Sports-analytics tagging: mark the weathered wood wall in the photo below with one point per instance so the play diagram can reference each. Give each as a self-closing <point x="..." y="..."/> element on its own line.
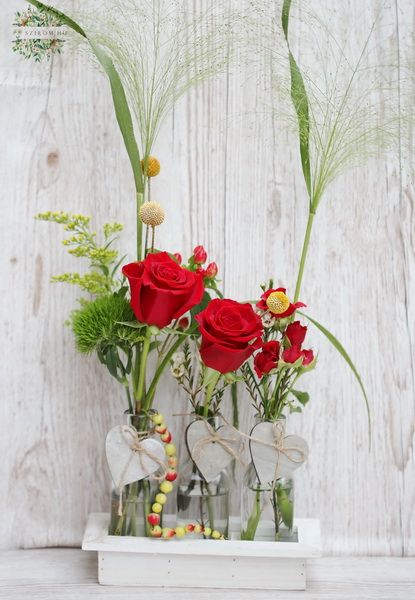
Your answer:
<point x="237" y="189"/>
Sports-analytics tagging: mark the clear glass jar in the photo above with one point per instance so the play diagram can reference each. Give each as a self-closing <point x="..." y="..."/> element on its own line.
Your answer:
<point x="266" y="513"/>
<point x="128" y="514"/>
<point x="201" y="502"/>
<point x="267" y="509"/>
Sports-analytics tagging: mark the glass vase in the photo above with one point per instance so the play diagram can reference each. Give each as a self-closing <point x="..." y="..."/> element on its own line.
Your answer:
<point x="201" y="502"/>
<point x="267" y="509"/>
<point x="130" y="508"/>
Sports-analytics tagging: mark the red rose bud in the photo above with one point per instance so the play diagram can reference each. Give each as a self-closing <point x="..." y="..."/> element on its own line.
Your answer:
<point x="153" y="519"/>
<point x="171" y="475"/>
<point x="166" y="437"/>
<point x="183" y="323"/>
<point x="308" y="357"/>
<point x="178" y="257"/>
<point x="295" y="332"/>
<point x="199" y="255"/>
<point x="211" y="270"/>
<point x="292" y="354"/>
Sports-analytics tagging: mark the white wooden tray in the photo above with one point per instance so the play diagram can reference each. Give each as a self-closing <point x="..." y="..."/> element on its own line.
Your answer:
<point x="194" y="563"/>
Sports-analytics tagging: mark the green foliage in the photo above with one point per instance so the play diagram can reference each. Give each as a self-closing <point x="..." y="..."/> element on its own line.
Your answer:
<point x="103" y="260"/>
<point x="99" y="323"/>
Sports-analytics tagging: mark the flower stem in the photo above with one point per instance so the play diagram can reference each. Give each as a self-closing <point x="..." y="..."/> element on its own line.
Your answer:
<point x="209" y="392"/>
<point x="304" y="254"/>
<point x="142" y="373"/>
<point x="140" y="200"/>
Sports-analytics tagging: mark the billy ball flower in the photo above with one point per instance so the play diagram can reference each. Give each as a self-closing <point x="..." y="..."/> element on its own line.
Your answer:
<point x="278" y="304"/>
<point x="153" y="166"/>
<point x="152" y="214"/>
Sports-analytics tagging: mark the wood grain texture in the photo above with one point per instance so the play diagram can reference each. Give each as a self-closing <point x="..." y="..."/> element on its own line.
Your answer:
<point x="231" y="181"/>
<point x="68" y="573"/>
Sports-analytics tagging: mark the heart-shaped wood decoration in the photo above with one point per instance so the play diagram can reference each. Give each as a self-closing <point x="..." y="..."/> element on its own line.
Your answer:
<point x="212" y="450"/>
<point x="127" y="465"/>
<point x="275" y="454"/>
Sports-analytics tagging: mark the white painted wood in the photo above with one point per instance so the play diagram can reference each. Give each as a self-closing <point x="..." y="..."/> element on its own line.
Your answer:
<point x="232" y="181"/>
<point x="70" y="574"/>
<point x="196" y="563"/>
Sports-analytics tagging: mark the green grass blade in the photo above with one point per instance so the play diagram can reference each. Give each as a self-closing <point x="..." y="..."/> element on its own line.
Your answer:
<point x="122" y="110"/>
<point x="300" y="101"/>
<point x="342" y="351"/>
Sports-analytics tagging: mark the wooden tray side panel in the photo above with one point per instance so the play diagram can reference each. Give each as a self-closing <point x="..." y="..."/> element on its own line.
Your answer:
<point x="156" y="570"/>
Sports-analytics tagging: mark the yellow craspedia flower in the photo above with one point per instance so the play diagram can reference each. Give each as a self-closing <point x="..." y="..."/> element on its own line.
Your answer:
<point x="151" y="213"/>
<point x="153" y="166"/>
<point x="278" y="302"/>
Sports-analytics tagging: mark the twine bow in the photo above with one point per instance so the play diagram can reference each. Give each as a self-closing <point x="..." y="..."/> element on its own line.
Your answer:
<point x="213" y="436"/>
<point x="134" y="439"/>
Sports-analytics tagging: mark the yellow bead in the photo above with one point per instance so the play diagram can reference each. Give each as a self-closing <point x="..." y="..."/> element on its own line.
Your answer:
<point x="161" y="498"/>
<point x="157" y="419"/>
<point x="153" y="166"/>
<point x="215" y="534"/>
<point x="170" y="449"/>
<point x="180" y="532"/>
<point x="207" y="531"/>
<point x="166" y="487"/>
<point x="197" y="529"/>
<point x="157" y="507"/>
<point x="167" y="532"/>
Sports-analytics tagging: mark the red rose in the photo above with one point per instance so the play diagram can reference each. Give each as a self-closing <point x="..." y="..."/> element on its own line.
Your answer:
<point x="278" y="304"/>
<point x="162" y="290"/>
<point x="292" y="354"/>
<point x="199" y="255"/>
<point x="231" y="332"/>
<point x="296" y="332"/>
<point x="267" y="359"/>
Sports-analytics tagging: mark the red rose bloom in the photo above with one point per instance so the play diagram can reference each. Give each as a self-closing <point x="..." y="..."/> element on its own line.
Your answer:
<point x="296" y="332"/>
<point x="231" y="332"/>
<point x="162" y="290"/>
<point x="267" y="359"/>
<point x="277" y="303"/>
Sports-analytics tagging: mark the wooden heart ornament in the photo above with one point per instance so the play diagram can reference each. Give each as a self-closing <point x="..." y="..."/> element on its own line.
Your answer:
<point x="275" y="454"/>
<point x="212" y="450"/>
<point x="131" y="458"/>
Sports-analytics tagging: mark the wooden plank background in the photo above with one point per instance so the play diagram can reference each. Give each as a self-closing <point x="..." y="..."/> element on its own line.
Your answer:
<point x="231" y="182"/>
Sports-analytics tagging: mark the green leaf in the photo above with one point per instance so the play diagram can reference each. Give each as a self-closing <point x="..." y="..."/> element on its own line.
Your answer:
<point x="122" y="111"/>
<point x="302" y="397"/>
<point x="342" y="351"/>
<point x="201" y="306"/>
<point x="300" y="101"/>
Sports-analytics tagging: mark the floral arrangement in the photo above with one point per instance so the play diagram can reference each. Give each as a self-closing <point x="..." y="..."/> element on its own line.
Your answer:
<point x="159" y="305"/>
